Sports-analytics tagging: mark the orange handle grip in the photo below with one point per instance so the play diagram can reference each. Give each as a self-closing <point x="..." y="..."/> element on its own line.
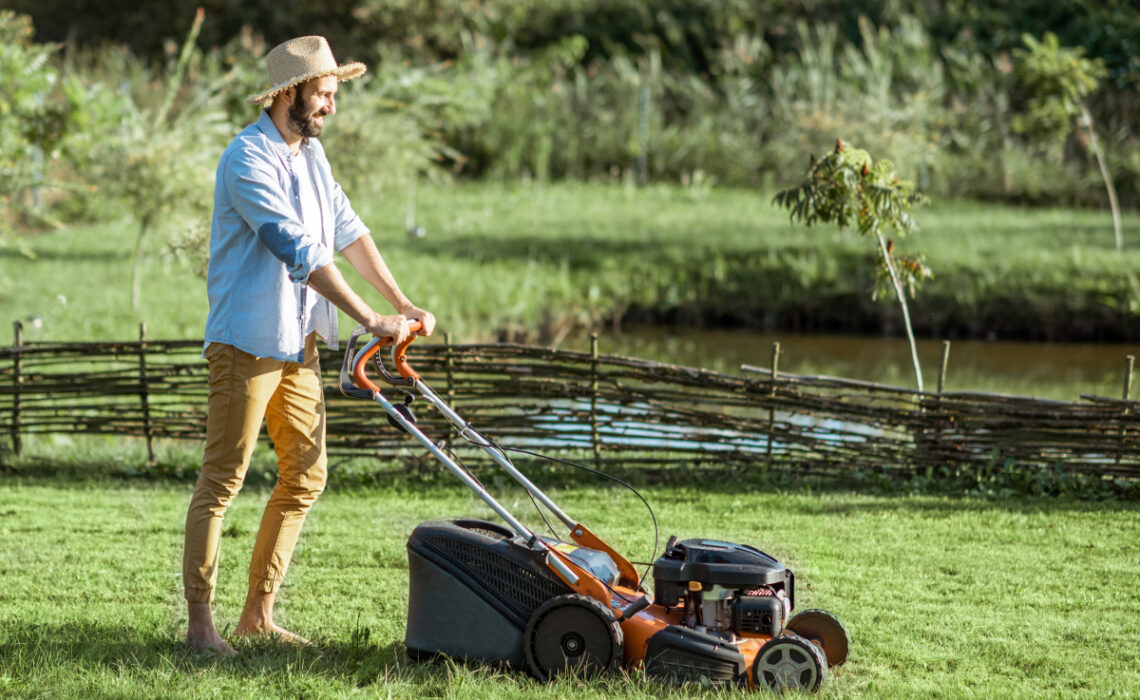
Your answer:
<point x="358" y="376"/>
<point x="401" y="360"/>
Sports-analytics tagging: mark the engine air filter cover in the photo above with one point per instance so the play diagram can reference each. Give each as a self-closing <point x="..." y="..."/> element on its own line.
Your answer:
<point x="715" y="563"/>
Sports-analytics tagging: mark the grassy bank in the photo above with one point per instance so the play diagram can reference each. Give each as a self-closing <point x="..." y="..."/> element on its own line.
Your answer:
<point x="943" y="597"/>
<point x="533" y="261"/>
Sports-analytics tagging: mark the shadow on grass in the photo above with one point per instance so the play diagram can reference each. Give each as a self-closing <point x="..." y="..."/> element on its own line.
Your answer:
<point x="681" y="482"/>
<point x="133" y="659"/>
<point x="115" y="647"/>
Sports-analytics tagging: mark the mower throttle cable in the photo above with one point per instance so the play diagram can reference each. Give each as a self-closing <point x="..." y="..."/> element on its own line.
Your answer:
<point x="451" y="453"/>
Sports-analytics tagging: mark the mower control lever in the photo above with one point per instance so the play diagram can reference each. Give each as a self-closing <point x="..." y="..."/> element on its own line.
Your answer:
<point x="635" y="607"/>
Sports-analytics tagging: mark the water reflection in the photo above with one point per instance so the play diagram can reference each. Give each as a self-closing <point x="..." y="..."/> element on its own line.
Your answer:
<point x="1061" y="371"/>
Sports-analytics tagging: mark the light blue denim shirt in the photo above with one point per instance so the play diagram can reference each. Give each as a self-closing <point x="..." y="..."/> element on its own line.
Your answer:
<point x="261" y="254"/>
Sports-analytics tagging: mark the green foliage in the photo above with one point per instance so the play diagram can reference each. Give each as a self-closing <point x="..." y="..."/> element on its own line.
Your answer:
<point x="36" y="118"/>
<point x="157" y="164"/>
<point x="672" y="91"/>
<point x="885" y="91"/>
<point x="846" y="187"/>
<point x="25" y="123"/>
<point x="1058" y="81"/>
<point x="387" y="131"/>
<point x="681" y="90"/>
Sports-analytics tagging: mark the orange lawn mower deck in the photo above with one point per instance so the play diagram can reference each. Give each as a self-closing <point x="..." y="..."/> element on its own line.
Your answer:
<point x="720" y="613"/>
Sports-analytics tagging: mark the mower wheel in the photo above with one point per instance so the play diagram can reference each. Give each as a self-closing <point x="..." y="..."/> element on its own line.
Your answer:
<point x="572" y="634"/>
<point x="789" y="662"/>
<point x="824" y="629"/>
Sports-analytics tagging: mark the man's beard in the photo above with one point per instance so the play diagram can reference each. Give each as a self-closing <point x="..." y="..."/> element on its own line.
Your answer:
<point x="301" y="120"/>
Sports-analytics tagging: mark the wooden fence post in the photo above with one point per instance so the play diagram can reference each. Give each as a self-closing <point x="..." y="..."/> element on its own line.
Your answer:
<point x="594" y="399"/>
<point x="144" y="396"/>
<point x="1129" y="361"/>
<point x="942" y="367"/>
<point x="941" y="386"/>
<point x="772" y="395"/>
<point x="18" y="330"/>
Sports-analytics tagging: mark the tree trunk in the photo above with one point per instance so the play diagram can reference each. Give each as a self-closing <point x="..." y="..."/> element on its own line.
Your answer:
<point x="902" y="302"/>
<point x="136" y="265"/>
<point x="1086" y="121"/>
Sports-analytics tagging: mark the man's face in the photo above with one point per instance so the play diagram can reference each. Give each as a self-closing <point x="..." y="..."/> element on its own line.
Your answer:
<point x="312" y="102"/>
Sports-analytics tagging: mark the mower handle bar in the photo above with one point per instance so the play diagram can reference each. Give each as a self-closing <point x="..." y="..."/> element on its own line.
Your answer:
<point x="356" y="374"/>
<point x="354" y="382"/>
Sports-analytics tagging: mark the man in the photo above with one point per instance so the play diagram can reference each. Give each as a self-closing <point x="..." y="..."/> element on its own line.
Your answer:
<point x="278" y="216"/>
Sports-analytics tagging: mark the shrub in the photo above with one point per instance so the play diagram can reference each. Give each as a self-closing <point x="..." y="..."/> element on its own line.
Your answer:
<point x="37" y="115"/>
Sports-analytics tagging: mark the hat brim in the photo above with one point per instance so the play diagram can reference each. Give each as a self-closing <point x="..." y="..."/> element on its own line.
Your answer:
<point x="348" y="71"/>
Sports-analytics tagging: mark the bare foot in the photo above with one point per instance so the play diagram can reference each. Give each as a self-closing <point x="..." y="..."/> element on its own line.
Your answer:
<point x="201" y="633"/>
<point x="213" y="643"/>
<point x="257" y="619"/>
<point x="270" y="629"/>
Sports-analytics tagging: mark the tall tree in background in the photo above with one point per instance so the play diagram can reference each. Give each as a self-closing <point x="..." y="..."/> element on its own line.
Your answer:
<point x="1058" y="81"/>
<point x="846" y="186"/>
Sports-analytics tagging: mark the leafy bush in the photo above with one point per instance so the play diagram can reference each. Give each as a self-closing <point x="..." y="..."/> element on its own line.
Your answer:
<point x="387" y="132"/>
<point x="38" y="112"/>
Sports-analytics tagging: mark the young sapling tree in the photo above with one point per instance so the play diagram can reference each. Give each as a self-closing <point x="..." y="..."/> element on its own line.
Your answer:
<point x="845" y="187"/>
<point x="158" y="163"/>
<point x="1058" y="80"/>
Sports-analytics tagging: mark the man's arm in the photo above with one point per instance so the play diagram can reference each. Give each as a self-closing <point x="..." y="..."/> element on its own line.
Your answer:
<point x="331" y="285"/>
<point x="365" y="258"/>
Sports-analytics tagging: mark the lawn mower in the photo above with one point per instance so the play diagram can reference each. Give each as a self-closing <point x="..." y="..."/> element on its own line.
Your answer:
<point x="720" y="613"/>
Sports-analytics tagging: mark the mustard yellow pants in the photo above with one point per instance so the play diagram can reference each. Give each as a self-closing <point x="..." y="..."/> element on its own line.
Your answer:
<point x="244" y="391"/>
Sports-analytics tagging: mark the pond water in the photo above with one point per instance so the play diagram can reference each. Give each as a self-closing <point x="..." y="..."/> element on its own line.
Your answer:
<point x="1061" y="371"/>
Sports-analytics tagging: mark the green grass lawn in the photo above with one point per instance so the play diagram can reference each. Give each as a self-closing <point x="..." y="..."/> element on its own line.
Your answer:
<point x="952" y="597"/>
<point x="525" y="260"/>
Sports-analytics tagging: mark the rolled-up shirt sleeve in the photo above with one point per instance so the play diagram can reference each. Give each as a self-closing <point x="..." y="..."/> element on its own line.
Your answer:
<point x="257" y="195"/>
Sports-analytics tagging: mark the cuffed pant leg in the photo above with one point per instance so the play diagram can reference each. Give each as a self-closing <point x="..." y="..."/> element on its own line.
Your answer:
<point x="241" y="386"/>
<point x="296" y="422"/>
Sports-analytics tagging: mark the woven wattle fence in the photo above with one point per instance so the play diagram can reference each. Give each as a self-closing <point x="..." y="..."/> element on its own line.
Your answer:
<point x="618" y="410"/>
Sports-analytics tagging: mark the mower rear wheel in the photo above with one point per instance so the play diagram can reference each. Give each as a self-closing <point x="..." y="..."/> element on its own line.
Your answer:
<point x="824" y="629"/>
<point x="789" y="662"/>
<point x="572" y="634"/>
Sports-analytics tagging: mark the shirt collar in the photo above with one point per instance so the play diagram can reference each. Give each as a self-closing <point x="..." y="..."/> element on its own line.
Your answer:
<point x="267" y="127"/>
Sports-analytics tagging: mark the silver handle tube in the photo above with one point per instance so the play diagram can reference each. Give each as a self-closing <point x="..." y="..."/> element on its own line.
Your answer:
<point x="555" y="562"/>
<point x="552" y="559"/>
<point x="467" y="431"/>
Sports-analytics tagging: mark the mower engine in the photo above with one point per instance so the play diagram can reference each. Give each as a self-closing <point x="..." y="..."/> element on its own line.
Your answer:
<point x="723" y="588"/>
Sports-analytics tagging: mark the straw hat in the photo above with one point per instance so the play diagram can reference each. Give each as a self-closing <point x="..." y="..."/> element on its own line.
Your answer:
<point x="301" y="59"/>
